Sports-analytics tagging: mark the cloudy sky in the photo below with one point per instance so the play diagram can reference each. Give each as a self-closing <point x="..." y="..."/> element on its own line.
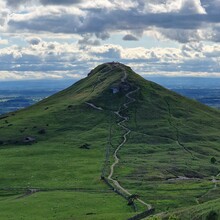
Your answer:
<point x="66" y="38"/>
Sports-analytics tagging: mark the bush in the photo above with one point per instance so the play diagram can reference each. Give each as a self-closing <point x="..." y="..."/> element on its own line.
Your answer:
<point x="85" y="146"/>
<point x="154" y="218"/>
<point x="212" y="216"/>
<point x="131" y="199"/>
<point x="213" y="160"/>
<point x="173" y="217"/>
<point x="42" y="131"/>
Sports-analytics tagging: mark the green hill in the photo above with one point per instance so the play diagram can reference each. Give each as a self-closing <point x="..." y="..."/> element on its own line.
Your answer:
<point x="58" y="158"/>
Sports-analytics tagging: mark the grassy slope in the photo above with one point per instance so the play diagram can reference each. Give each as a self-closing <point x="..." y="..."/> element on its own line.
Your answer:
<point x="171" y="136"/>
<point x="56" y="161"/>
<point x="206" y="211"/>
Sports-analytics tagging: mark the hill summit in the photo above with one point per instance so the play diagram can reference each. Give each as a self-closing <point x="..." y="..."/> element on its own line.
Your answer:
<point x="111" y="146"/>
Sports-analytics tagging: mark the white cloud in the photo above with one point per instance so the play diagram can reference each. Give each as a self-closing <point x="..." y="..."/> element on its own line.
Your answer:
<point x="51" y="35"/>
<point x="3" y="41"/>
<point x="24" y="75"/>
<point x="171" y="6"/>
<point x="192" y="7"/>
<point x="48" y="56"/>
<point x="181" y="74"/>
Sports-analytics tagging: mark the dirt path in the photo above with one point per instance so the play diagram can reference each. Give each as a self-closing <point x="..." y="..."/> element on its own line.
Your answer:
<point x="94" y="106"/>
<point x="215" y="181"/>
<point x="127" y="132"/>
<point x="29" y="192"/>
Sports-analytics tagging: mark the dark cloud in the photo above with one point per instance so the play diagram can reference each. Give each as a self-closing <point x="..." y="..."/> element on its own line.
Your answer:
<point x="179" y="26"/>
<point x="3" y="17"/>
<point x="86" y="40"/>
<point x="60" y="2"/>
<point x="130" y="21"/>
<point x="51" y="46"/>
<point x="34" y="41"/>
<point x="211" y="6"/>
<point x="54" y="23"/>
<point x="103" y="35"/>
<point x="112" y="53"/>
<point x="115" y="20"/>
<point x="130" y="37"/>
<point x="17" y="3"/>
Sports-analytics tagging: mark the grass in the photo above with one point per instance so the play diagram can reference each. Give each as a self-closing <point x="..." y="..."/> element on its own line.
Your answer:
<point x="171" y="136"/>
<point x="65" y="205"/>
<point x="164" y="125"/>
<point x="203" y="211"/>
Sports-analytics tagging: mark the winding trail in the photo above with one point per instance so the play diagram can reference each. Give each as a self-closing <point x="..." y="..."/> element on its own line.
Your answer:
<point x="122" y="125"/>
<point x="29" y="192"/>
<point x="127" y="132"/>
<point x="94" y="106"/>
<point x="215" y="181"/>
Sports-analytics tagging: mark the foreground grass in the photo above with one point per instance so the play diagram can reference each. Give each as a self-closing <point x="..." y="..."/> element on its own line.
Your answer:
<point x="64" y="205"/>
